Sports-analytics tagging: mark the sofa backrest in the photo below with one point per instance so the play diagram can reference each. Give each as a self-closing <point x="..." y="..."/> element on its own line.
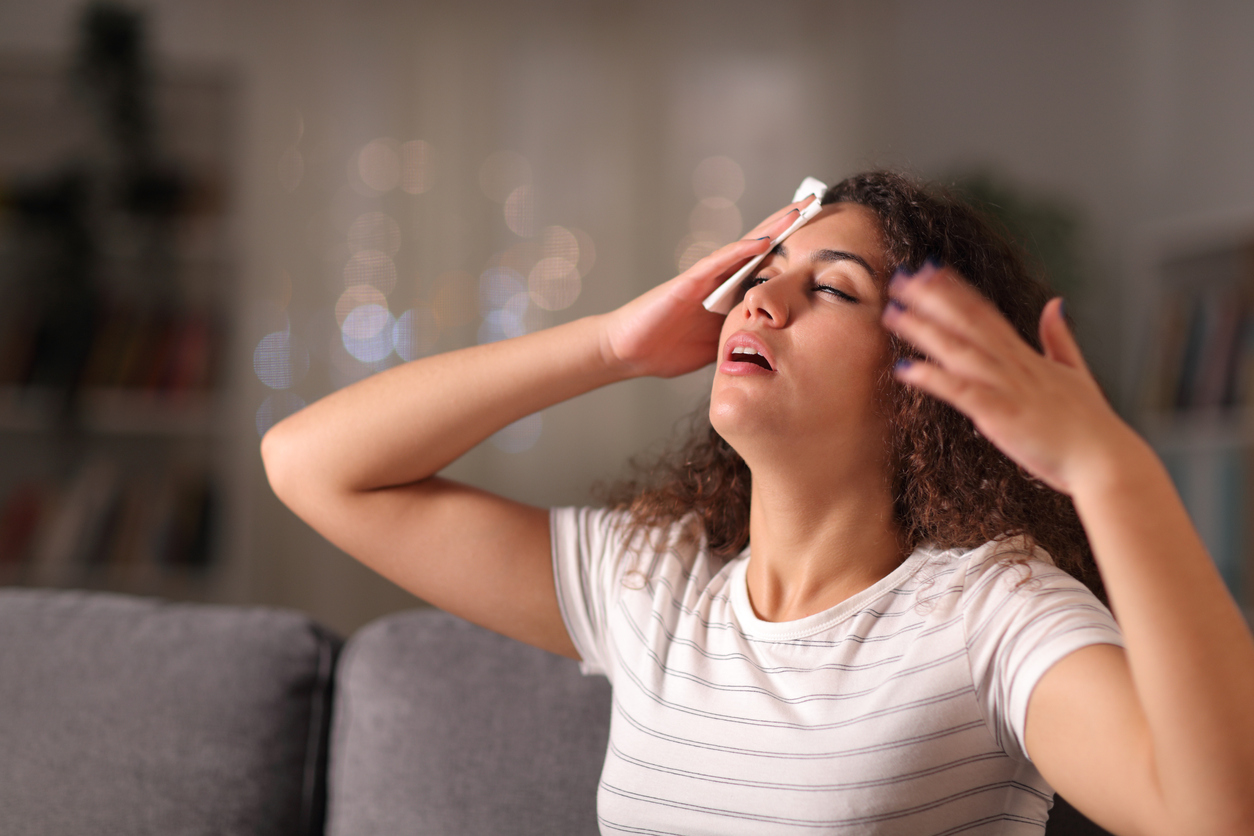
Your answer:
<point x="441" y="727"/>
<point x="132" y="716"/>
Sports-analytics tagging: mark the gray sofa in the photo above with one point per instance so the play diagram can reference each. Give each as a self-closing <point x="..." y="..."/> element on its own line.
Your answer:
<point x="123" y="715"/>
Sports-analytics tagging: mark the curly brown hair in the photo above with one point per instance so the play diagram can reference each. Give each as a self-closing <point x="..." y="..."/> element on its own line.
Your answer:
<point x="952" y="487"/>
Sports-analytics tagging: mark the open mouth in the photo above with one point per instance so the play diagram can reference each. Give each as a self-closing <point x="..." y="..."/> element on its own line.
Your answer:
<point x="744" y="354"/>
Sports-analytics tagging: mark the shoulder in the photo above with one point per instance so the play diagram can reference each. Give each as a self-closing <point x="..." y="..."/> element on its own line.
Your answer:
<point x="611" y="534"/>
<point x="1007" y="577"/>
<point x="1012" y="587"/>
<point x="1010" y="566"/>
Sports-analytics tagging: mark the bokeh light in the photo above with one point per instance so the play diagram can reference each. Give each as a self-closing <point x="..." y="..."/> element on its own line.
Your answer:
<point x="505" y="323"/>
<point x="275" y="408"/>
<point x="417" y="173"/>
<point x="554" y="284"/>
<point x="374" y="231"/>
<point x="587" y="251"/>
<point x="718" y="177"/>
<point x="498" y="285"/>
<point x="519" y="436"/>
<point x="367" y="333"/>
<point x="277" y="363"/>
<point x="716" y="219"/>
<point x="502" y="174"/>
<point x="291" y="168"/>
<point x="520" y="257"/>
<point x="355" y="297"/>
<point x="560" y="242"/>
<point x="520" y="212"/>
<point x="372" y="267"/>
<point x="415" y="333"/>
<point x="503" y="302"/>
<point x="379" y="164"/>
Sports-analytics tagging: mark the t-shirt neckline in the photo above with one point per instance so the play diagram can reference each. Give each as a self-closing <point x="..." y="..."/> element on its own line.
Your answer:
<point x="754" y="627"/>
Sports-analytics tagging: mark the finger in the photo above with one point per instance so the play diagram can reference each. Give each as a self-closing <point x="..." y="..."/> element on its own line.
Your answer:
<point x="950" y="349"/>
<point x="972" y="398"/>
<point x="1056" y="337"/>
<point x="726" y="260"/>
<point x="776" y="223"/>
<point x="708" y="273"/>
<point x="940" y="294"/>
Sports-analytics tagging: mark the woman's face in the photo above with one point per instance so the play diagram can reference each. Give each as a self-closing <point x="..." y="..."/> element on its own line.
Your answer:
<point x="814" y="387"/>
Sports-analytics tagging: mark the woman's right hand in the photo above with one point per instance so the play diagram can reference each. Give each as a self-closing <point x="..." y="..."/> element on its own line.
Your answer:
<point x="667" y="332"/>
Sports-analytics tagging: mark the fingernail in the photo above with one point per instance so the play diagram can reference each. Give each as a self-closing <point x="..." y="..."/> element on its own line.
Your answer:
<point x="902" y="365"/>
<point x="1062" y="309"/>
<point x="894" y="306"/>
<point x="899" y="279"/>
<point x="763" y="238"/>
<point x="931" y="266"/>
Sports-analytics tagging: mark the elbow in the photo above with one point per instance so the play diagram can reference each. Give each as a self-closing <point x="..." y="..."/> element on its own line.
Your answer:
<point x="278" y="461"/>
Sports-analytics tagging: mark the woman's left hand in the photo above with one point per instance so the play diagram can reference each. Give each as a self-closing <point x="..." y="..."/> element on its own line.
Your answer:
<point x="1046" y="412"/>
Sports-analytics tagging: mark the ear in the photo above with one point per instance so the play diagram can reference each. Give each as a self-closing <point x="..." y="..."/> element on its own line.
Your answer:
<point x="1056" y="338"/>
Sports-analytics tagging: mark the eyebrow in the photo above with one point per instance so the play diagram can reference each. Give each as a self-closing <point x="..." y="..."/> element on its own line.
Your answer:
<point x="821" y="256"/>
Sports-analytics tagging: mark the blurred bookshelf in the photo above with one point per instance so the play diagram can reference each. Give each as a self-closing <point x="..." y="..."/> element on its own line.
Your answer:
<point x="1197" y="395"/>
<point x="118" y="461"/>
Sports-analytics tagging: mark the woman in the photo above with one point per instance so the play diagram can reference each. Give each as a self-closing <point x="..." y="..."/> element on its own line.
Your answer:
<point x="869" y="663"/>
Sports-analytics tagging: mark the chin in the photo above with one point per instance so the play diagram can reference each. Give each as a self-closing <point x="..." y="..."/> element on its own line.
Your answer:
<point x="739" y="419"/>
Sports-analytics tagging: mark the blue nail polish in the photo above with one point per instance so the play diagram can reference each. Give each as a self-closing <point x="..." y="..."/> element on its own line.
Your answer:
<point x="1062" y="309"/>
<point x="902" y="365"/>
<point x="763" y="238"/>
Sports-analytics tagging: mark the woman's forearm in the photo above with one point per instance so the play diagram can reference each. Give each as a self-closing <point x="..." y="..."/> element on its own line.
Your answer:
<point x="1189" y="649"/>
<point x="405" y="424"/>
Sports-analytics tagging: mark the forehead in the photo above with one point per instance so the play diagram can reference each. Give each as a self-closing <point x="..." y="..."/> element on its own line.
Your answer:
<point x="840" y="226"/>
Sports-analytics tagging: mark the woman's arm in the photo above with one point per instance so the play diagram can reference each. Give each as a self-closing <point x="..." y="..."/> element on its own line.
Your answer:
<point x="359" y="464"/>
<point x="1158" y="738"/>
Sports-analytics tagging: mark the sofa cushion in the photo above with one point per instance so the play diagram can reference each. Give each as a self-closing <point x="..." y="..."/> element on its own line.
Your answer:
<point x="132" y="716"/>
<point x="442" y="727"/>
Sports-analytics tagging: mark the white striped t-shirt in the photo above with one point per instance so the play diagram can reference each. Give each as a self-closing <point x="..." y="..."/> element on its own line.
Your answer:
<point x="900" y="710"/>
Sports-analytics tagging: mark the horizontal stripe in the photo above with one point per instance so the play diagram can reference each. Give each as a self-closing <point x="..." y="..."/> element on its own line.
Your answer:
<point x="893" y="712"/>
<point x="884" y="746"/>
<point x="817" y="823"/>
<point x="776" y="785"/>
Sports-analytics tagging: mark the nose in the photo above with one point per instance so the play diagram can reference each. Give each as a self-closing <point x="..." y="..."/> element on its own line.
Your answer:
<point x="768" y="301"/>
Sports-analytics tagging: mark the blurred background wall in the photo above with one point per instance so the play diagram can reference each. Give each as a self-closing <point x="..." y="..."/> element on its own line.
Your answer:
<point x="357" y="184"/>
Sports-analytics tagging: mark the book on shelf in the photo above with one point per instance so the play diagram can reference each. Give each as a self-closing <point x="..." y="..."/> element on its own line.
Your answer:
<point x="56" y="535"/>
<point x="165" y="353"/>
<point x="1203" y="346"/>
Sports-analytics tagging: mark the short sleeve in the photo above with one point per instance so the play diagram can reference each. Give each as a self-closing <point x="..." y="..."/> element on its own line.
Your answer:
<point x="587" y="544"/>
<point x="1020" y="619"/>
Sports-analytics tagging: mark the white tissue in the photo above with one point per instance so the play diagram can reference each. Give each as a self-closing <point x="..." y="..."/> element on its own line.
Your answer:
<point x="724" y="299"/>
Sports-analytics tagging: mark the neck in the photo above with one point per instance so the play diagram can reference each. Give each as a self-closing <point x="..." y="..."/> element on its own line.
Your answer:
<point x="815" y="543"/>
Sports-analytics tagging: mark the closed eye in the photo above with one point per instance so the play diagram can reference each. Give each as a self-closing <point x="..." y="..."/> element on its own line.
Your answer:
<point x="754" y="281"/>
<point x="839" y="294"/>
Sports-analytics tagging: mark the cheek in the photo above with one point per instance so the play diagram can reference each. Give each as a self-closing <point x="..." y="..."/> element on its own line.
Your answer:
<point x="860" y="357"/>
<point x="726" y="331"/>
